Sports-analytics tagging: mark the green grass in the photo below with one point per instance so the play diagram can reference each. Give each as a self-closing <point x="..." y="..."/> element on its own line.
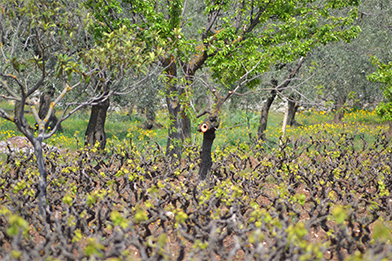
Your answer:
<point x="236" y="127"/>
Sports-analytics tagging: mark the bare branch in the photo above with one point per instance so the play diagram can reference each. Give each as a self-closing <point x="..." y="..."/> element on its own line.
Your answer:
<point x="5" y="115"/>
<point x="41" y="124"/>
<point x="65" y="115"/>
<point x="40" y="82"/>
<point x="183" y="8"/>
<point x="201" y="114"/>
<point x="134" y="86"/>
<point x="13" y="38"/>
<point x="9" y="91"/>
<point x="243" y="94"/>
<point x="290" y="77"/>
<point x="27" y="41"/>
<point x="15" y="78"/>
<point x="2" y="52"/>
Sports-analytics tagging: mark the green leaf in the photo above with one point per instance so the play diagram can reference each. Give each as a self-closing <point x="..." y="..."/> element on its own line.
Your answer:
<point x="381" y="231"/>
<point x="93" y="248"/>
<point x="118" y="219"/>
<point x="339" y="214"/>
<point x="140" y="215"/>
<point x="67" y="199"/>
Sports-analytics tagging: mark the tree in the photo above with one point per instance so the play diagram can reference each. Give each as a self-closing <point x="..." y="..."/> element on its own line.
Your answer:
<point x="230" y="38"/>
<point x="383" y="74"/>
<point x="42" y="49"/>
<point x="339" y="69"/>
<point x="38" y="36"/>
<point x="45" y="100"/>
<point x="110" y="31"/>
<point x="274" y="92"/>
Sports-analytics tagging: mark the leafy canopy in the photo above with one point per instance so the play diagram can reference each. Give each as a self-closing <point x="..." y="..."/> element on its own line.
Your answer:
<point x="233" y="38"/>
<point x="383" y="74"/>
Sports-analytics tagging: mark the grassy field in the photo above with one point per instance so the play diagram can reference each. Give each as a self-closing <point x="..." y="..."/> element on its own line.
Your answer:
<point x="238" y="128"/>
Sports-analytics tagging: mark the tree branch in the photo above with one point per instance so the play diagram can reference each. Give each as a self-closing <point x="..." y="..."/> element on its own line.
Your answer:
<point x="255" y="22"/>
<point x="214" y="16"/>
<point x="9" y="91"/>
<point x="290" y="77"/>
<point x="5" y="115"/>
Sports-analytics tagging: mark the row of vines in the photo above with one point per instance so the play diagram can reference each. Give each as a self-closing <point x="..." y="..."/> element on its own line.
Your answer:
<point x="321" y="199"/>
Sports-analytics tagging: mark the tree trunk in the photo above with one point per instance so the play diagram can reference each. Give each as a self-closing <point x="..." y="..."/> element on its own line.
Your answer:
<point x="286" y="116"/>
<point x="42" y="183"/>
<point x="150" y="113"/>
<point x="208" y="127"/>
<point x="389" y="133"/>
<point x="264" y="115"/>
<point x="268" y="103"/>
<point x="18" y="108"/>
<point x="175" y="132"/>
<point x="96" y="125"/>
<point x="175" y="139"/>
<point x="186" y="128"/>
<point x="44" y="105"/>
<point x="293" y="107"/>
<point x="205" y="155"/>
<point x="180" y="123"/>
<point x="265" y="110"/>
<point x="339" y="113"/>
<point x="150" y="122"/>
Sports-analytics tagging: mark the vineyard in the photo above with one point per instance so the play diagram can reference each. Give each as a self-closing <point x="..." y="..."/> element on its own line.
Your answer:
<point x="317" y="198"/>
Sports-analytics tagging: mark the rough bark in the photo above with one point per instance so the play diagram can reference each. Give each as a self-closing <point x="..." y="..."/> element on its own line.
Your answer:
<point x="175" y="139"/>
<point x="44" y="106"/>
<point x="276" y="88"/>
<point x="389" y="133"/>
<point x="17" y="112"/>
<point x="173" y="93"/>
<point x="205" y="155"/>
<point x="150" y="122"/>
<point x="22" y="125"/>
<point x="42" y="183"/>
<point x="339" y="113"/>
<point x="293" y="107"/>
<point x="186" y="128"/>
<point x="264" y="112"/>
<point x="180" y="123"/>
<point x="150" y="113"/>
<point x="208" y="128"/>
<point x="96" y="125"/>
